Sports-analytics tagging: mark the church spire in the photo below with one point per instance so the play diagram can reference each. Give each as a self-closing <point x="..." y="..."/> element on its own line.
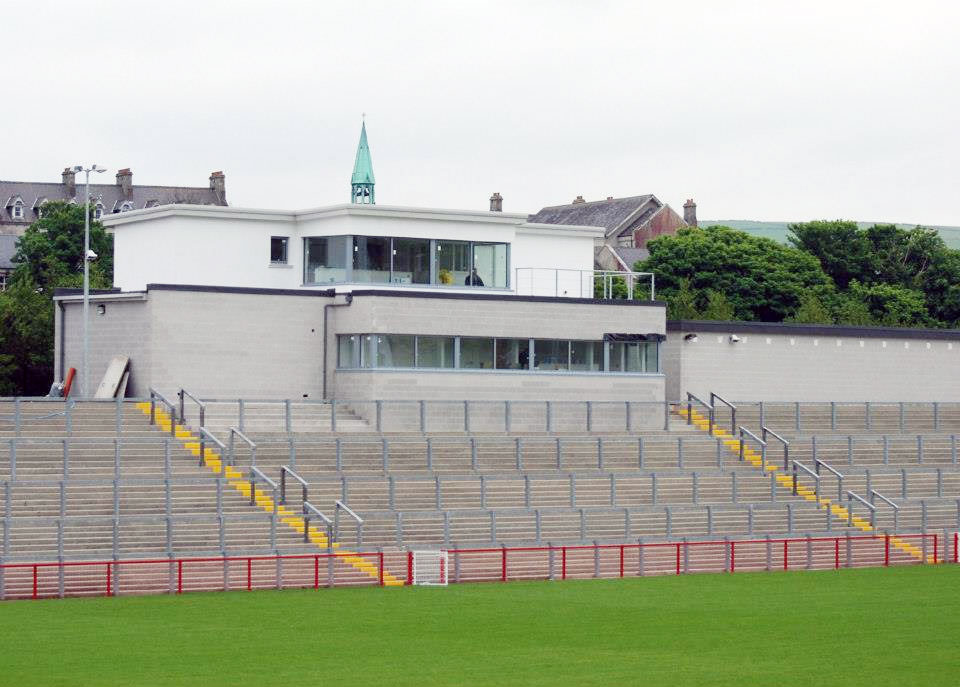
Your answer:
<point x="362" y="181"/>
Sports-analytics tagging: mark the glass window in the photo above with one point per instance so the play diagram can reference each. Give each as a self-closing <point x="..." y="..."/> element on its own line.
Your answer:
<point x="489" y="265"/>
<point x="513" y="354"/>
<point x="395" y="350"/>
<point x="348" y="350"/>
<point x="435" y="351"/>
<point x="476" y="354"/>
<point x="411" y="261"/>
<point x="634" y="357"/>
<point x="586" y="355"/>
<point x="371" y="259"/>
<point x="325" y="261"/>
<point x="550" y="355"/>
<point x="368" y="351"/>
<point x="453" y="263"/>
<point x="652" y="358"/>
<point x="278" y="249"/>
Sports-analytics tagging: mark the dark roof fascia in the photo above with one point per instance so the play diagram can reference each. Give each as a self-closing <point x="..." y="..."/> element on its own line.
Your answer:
<point x="506" y="298"/>
<point x="71" y="291"/>
<point x="812" y="330"/>
<point x="323" y="293"/>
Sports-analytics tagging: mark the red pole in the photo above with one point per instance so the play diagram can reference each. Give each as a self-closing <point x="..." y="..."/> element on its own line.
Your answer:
<point x="180" y="577"/>
<point x="621" y="560"/>
<point x="785" y="554"/>
<point x="935" y="539"/>
<point x="380" y="561"/>
<point x="563" y="563"/>
<point x="108" y="580"/>
<point x="34" y="582"/>
<point x="732" y="557"/>
<point x="409" y="567"/>
<point x="836" y="553"/>
<point x="678" y="559"/>
<point x="886" y="551"/>
<point x="503" y="565"/>
<point x="956" y="540"/>
<point x="316" y="572"/>
<point x="443" y="571"/>
<point x="249" y="574"/>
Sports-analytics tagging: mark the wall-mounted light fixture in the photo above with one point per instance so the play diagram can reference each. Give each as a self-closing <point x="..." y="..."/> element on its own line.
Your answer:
<point x="101" y="309"/>
<point x="692" y="338"/>
<point x="734" y="338"/>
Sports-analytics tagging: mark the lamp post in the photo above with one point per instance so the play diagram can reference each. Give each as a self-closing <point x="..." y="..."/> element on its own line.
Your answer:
<point x="85" y="377"/>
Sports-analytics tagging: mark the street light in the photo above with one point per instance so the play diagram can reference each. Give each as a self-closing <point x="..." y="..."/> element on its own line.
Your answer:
<point x="85" y="377"/>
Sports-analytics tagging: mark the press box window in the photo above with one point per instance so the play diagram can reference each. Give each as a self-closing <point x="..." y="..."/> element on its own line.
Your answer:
<point x="278" y="250"/>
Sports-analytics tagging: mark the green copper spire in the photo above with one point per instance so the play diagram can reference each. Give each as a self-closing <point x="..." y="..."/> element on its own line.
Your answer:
<point x="362" y="181"/>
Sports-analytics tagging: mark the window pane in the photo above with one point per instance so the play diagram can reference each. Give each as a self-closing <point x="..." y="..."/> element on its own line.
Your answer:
<point x="513" y="354"/>
<point x="490" y="263"/>
<point x="476" y="353"/>
<point x="586" y="355"/>
<point x="348" y="350"/>
<point x="326" y="260"/>
<point x="617" y="352"/>
<point x="411" y="261"/>
<point x="453" y="262"/>
<point x="549" y="354"/>
<point x="652" y="355"/>
<point x="435" y="351"/>
<point x="371" y="259"/>
<point x="395" y="350"/>
<point x="367" y="351"/>
<point x="278" y="249"/>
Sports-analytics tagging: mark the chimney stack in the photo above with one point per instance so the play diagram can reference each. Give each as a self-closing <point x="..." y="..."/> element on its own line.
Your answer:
<point x="218" y="184"/>
<point x="496" y="203"/>
<point x="125" y="182"/>
<point x="578" y="199"/>
<point x="70" y="182"/>
<point x="690" y="212"/>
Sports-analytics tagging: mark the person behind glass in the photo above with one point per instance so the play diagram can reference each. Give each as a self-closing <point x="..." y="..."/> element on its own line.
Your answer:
<point x="473" y="279"/>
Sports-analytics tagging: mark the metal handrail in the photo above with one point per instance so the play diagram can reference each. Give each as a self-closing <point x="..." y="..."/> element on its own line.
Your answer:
<point x="308" y="509"/>
<point x="690" y="399"/>
<point x="253" y="447"/>
<point x="873" y="509"/>
<point x="814" y="475"/>
<point x="896" y="508"/>
<point x="817" y="464"/>
<point x="154" y="395"/>
<point x="733" y="409"/>
<point x="765" y="432"/>
<point x="340" y="505"/>
<point x="181" y="395"/>
<point x="630" y="279"/>
<point x="255" y="474"/>
<point x="284" y="471"/>
<point x="763" y="447"/>
<point x="204" y="436"/>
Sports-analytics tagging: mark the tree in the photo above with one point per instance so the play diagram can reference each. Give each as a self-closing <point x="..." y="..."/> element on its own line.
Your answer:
<point x="811" y="311"/>
<point x="718" y="307"/>
<point x="683" y="305"/>
<point x="762" y="279"/>
<point x="893" y="306"/>
<point x="853" y="312"/>
<point x="49" y="255"/>
<point x="843" y="250"/>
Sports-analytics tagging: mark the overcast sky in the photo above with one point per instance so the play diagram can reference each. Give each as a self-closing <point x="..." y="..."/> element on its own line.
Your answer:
<point x="758" y="110"/>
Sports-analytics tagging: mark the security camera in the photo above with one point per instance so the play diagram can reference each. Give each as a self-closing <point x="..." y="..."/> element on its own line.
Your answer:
<point x="734" y="338"/>
<point x="91" y="256"/>
<point x="692" y="338"/>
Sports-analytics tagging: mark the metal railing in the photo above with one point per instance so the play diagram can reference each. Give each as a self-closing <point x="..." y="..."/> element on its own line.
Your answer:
<point x="765" y="432"/>
<point x="851" y="497"/>
<point x="797" y="465"/>
<point x="341" y="506"/>
<point x="691" y="399"/>
<point x="733" y="410"/>
<point x="205" y="436"/>
<point x="744" y="432"/>
<point x="304" y="486"/>
<point x="171" y="409"/>
<point x="310" y="511"/>
<point x="817" y="464"/>
<point x="874" y="494"/>
<point x="234" y="432"/>
<point x="184" y="394"/>
<point x="572" y="283"/>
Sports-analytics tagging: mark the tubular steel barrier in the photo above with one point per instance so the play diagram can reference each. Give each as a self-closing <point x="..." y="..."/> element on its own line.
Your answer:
<point x="501" y="564"/>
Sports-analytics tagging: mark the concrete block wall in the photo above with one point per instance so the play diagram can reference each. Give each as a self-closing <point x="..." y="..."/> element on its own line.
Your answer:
<point x="778" y="362"/>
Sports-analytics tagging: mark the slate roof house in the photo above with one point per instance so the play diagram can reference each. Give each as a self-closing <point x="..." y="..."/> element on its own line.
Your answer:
<point x="628" y="223"/>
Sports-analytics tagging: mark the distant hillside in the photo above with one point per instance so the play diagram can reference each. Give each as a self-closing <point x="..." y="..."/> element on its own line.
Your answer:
<point x="778" y="230"/>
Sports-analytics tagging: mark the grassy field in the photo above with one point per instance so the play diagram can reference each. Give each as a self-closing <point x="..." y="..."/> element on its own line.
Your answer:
<point x="875" y="627"/>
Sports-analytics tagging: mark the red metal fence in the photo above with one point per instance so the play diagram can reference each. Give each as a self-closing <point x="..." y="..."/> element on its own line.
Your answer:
<point x="179" y="575"/>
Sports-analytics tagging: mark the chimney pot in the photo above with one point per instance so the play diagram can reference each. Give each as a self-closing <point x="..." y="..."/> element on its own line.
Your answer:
<point x="125" y="182"/>
<point x="690" y="212"/>
<point x="218" y="184"/>
<point x="609" y="197"/>
<point x="70" y="182"/>
<point x="578" y="199"/>
<point x="496" y="202"/>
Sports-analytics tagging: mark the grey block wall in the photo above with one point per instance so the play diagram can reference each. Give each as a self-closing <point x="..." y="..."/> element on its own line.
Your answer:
<point x="819" y="364"/>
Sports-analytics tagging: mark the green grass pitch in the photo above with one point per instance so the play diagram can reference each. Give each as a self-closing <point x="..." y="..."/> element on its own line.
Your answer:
<point x="896" y="626"/>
